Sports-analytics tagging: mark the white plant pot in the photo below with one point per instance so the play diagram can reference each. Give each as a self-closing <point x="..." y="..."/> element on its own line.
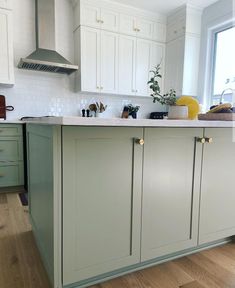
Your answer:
<point x="178" y="112"/>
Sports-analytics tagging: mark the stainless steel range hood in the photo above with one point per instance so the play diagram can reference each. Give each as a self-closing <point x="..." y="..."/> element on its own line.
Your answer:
<point x="45" y="58"/>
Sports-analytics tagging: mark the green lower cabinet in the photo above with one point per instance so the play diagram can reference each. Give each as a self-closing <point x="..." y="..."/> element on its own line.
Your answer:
<point x="217" y="211"/>
<point x="171" y="184"/>
<point x="11" y="156"/>
<point x="102" y="176"/>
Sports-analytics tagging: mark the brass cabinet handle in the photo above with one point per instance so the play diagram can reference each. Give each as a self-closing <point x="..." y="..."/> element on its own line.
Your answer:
<point x="209" y="140"/>
<point x="140" y="141"/>
<point x="101" y="21"/>
<point x="201" y="140"/>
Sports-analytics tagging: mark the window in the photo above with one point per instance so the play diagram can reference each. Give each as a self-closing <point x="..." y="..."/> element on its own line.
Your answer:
<point x="224" y="66"/>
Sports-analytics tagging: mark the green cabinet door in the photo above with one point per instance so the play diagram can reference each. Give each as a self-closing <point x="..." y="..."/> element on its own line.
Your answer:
<point x="217" y="210"/>
<point x="102" y="175"/>
<point x="171" y="183"/>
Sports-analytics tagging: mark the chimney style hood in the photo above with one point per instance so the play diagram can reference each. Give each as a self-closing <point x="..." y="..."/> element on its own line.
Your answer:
<point x="45" y="58"/>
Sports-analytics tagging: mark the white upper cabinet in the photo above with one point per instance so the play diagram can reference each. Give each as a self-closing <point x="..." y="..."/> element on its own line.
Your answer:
<point x="98" y="60"/>
<point x="109" y="62"/>
<point x="90" y="60"/>
<point x="143" y="58"/>
<point x="144" y="28"/>
<point x="157" y="57"/>
<point x="90" y="16"/>
<point x="6" y="48"/>
<point x="116" y="47"/>
<point x="99" y="18"/>
<point x="5" y="4"/>
<point x="109" y="20"/>
<point x="159" y="32"/>
<point x="126" y="67"/>
<point x="121" y="19"/>
<point x="183" y="51"/>
<point x="127" y="24"/>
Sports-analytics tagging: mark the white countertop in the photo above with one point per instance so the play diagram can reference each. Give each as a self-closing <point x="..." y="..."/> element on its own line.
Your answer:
<point x="118" y="122"/>
<point x="16" y="121"/>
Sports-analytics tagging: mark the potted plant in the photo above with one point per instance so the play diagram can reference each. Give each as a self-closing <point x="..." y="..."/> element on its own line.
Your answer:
<point x="168" y="99"/>
<point x="133" y="110"/>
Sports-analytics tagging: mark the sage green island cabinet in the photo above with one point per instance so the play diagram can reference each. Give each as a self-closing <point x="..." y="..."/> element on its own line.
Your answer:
<point x="171" y="187"/>
<point x="105" y="201"/>
<point x="217" y="210"/>
<point x="102" y="173"/>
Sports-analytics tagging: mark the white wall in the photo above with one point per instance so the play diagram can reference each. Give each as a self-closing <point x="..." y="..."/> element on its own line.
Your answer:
<point x="215" y="16"/>
<point x="38" y="93"/>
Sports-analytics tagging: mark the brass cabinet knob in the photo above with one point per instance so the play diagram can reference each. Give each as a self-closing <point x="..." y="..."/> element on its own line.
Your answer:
<point x="209" y="140"/>
<point x="140" y="142"/>
<point x="201" y="140"/>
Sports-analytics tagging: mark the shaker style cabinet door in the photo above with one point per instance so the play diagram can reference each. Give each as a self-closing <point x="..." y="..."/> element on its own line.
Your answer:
<point x="127" y="61"/>
<point x="101" y="200"/>
<point x="109" y="62"/>
<point x="109" y="20"/>
<point x="90" y="59"/>
<point x="90" y="16"/>
<point x="217" y="213"/>
<point x="143" y="58"/>
<point x="171" y="183"/>
<point x="6" y="48"/>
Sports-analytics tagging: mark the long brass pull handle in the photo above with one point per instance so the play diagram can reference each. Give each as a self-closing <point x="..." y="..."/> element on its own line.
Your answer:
<point x="140" y="141"/>
<point x="201" y="140"/>
<point x="209" y="140"/>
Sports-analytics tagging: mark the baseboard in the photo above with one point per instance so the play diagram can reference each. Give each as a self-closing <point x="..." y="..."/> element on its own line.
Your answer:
<point x="147" y="264"/>
<point x="14" y="189"/>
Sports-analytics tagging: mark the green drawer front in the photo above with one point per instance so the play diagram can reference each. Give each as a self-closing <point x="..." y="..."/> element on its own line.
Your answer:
<point x="11" y="175"/>
<point x="11" y="149"/>
<point x="10" y="130"/>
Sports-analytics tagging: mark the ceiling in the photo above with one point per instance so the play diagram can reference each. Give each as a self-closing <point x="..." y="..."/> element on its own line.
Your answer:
<point x="164" y="6"/>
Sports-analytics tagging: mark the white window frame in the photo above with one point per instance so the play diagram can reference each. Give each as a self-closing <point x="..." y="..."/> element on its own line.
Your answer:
<point x="214" y="32"/>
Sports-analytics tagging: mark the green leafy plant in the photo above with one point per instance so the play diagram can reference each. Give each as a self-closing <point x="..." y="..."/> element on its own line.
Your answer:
<point x="166" y="99"/>
<point x="133" y="109"/>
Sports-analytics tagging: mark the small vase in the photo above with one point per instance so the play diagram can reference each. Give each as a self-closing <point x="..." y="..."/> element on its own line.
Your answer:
<point x="178" y="112"/>
<point x="134" y="115"/>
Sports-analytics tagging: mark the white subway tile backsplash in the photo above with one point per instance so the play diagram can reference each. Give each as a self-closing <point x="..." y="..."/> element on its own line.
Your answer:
<point x="38" y="93"/>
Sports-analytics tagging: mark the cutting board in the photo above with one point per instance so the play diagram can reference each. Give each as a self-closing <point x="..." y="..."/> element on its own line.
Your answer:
<point x="217" y="117"/>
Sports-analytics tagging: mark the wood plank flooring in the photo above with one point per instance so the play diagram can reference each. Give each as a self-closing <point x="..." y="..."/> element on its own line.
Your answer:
<point x="21" y="267"/>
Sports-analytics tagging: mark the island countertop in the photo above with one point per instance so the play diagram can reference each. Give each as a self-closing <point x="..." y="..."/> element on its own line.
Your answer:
<point x="118" y="122"/>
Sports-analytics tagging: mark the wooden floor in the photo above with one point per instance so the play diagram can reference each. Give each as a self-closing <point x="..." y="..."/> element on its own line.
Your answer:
<point x="21" y="267"/>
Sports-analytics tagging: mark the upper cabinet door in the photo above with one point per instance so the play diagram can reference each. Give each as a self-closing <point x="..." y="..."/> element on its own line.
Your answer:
<point x="6" y="4"/>
<point x="127" y="25"/>
<point x="102" y="208"/>
<point x="90" y="16"/>
<point x="158" y="57"/>
<point x="109" y="62"/>
<point x="217" y="211"/>
<point x="171" y="187"/>
<point x="144" y="28"/>
<point x="6" y="48"/>
<point x="109" y="20"/>
<point x="143" y="55"/>
<point x="90" y="59"/>
<point x="126" y="69"/>
<point x="159" y="32"/>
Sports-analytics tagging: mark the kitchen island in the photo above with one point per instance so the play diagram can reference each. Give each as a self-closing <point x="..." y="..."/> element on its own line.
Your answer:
<point x="111" y="196"/>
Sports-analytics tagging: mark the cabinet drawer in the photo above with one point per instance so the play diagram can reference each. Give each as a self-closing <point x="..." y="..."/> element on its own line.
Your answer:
<point x="10" y="130"/>
<point x="11" y="175"/>
<point x="11" y="149"/>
